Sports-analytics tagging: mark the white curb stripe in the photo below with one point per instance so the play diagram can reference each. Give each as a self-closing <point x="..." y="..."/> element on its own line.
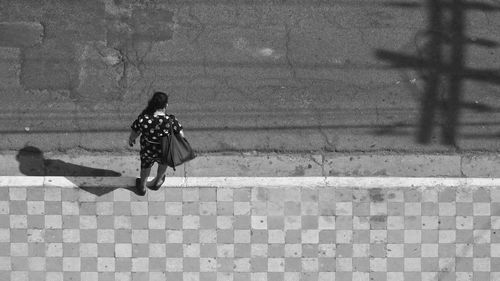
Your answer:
<point x="19" y="181"/>
<point x="239" y="182"/>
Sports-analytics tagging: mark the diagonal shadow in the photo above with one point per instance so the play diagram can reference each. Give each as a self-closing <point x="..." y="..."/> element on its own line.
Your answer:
<point x="33" y="163"/>
<point x="442" y="65"/>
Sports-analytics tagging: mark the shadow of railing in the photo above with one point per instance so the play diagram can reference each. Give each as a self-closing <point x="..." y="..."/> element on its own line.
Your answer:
<point x="442" y="65"/>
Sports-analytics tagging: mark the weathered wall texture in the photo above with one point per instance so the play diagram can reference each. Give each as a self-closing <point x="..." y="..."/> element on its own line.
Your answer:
<point x="253" y="75"/>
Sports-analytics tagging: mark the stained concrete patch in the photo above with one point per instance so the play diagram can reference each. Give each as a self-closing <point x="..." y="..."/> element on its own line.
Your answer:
<point x="262" y="44"/>
<point x="75" y="20"/>
<point x="142" y="25"/>
<point x="378" y="17"/>
<point x="51" y="65"/>
<point x="378" y="222"/>
<point x="20" y="34"/>
<point x="113" y="8"/>
<point x="152" y="24"/>
<point x="481" y="165"/>
<point x="376" y="195"/>
<point x="392" y="165"/>
<point x="9" y="67"/>
<point x="100" y="73"/>
<point x="261" y="165"/>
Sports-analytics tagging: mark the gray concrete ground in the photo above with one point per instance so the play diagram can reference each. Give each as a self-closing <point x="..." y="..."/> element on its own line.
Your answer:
<point x="77" y="163"/>
<point x="339" y="76"/>
<point x="335" y="88"/>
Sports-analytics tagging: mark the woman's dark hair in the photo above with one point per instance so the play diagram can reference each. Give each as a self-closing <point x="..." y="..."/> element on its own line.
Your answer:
<point x="158" y="101"/>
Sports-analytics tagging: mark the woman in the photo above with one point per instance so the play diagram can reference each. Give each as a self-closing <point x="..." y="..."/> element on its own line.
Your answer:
<point x="152" y="124"/>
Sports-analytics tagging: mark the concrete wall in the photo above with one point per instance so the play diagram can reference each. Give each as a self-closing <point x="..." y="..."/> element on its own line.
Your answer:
<point x="252" y="75"/>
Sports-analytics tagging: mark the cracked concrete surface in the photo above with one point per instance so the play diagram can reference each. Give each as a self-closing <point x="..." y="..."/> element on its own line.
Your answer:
<point x="265" y="76"/>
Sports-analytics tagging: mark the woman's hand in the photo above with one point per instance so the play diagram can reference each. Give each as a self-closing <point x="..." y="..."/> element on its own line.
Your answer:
<point x="131" y="142"/>
<point x="131" y="139"/>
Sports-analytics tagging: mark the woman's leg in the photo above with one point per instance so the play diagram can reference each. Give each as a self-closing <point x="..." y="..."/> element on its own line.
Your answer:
<point x="146" y="164"/>
<point x="144" y="177"/>
<point x="162" y="168"/>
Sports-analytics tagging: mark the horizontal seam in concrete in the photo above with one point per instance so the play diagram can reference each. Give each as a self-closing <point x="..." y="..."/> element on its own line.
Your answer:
<point x="242" y="182"/>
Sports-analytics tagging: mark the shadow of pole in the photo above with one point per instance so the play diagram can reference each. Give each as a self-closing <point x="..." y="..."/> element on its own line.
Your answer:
<point x="429" y="101"/>
<point x="456" y="29"/>
<point x="443" y="66"/>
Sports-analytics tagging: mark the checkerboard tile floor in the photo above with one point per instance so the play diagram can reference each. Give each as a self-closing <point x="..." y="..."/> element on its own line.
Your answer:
<point x="251" y="234"/>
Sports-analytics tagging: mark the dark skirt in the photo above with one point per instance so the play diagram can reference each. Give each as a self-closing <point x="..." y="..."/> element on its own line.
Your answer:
<point x="150" y="153"/>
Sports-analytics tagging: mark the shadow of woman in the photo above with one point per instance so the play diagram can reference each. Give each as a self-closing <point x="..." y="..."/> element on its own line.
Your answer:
<point x="33" y="163"/>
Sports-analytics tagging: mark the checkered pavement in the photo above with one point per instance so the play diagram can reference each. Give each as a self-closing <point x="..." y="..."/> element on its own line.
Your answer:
<point x="254" y="234"/>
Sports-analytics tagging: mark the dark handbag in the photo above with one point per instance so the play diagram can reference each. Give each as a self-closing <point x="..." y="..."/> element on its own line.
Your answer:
<point x="175" y="149"/>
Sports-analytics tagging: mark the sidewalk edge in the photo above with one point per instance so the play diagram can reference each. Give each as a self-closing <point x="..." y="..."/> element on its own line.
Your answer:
<point x="241" y="182"/>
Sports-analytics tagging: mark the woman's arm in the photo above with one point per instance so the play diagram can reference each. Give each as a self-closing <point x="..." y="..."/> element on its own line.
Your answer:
<point x="131" y="139"/>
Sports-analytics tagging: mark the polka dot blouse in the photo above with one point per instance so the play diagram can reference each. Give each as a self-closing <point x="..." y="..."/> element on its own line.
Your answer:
<point x="154" y="127"/>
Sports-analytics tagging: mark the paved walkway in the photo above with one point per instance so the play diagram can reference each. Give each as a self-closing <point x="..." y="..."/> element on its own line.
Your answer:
<point x="315" y="233"/>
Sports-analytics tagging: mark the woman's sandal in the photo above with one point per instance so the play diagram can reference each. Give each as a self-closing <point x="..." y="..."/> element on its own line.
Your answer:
<point x="140" y="191"/>
<point x="158" y="184"/>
